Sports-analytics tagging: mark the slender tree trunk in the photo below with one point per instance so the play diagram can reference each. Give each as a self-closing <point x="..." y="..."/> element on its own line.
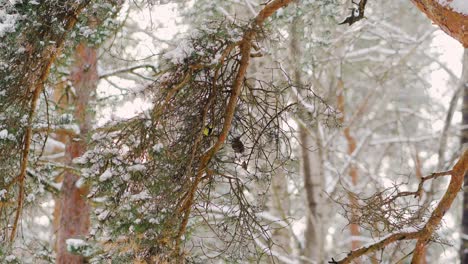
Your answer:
<point x="464" y="142"/>
<point x="74" y="209"/>
<point x="419" y="176"/>
<point x="353" y="172"/>
<point x="312" y="169"/>
<point x="279" y="206"/>
<point x="311" y="166"/>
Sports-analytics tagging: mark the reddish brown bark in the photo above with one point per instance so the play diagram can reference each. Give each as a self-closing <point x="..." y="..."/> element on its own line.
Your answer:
<point x="453" y="23"/>
<point x="74" y="209"/>
<point x="32" y="81"/>
<point x="353" y="172"/>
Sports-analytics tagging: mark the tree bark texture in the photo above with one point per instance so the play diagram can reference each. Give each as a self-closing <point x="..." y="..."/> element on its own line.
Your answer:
<point x="74" y="208"/>
<point x="453" y="23"/>
<point x="31" y="71"/>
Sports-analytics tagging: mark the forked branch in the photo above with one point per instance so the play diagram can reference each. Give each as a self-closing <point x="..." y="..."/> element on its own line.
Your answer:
<point x="423" y="234"/>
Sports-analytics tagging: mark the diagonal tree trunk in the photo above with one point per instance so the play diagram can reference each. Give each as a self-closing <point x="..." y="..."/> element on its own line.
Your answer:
<point x="451" y="20"/>
<point x="74" y="209"/>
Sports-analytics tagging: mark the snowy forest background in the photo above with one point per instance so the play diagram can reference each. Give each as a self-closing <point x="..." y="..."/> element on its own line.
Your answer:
<point x="128" y="133"/>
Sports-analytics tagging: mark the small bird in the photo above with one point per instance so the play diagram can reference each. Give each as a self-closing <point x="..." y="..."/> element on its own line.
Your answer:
<point x="208" y="130"/>
<point x="237" y="145"/>
<point x="244" y="165"/>
<point x="352" y="18"/>
<point x="357" y="13"/>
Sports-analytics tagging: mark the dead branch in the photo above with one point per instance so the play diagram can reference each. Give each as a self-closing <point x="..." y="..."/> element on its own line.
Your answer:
<point x="423" y="234"/>
<point x="128" y="70"/>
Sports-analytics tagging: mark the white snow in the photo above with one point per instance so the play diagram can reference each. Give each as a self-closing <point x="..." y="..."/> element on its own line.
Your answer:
<point x="103" y="215"/>
<point x="2" y="193"/>
<point x="105" y="176"/>
<point x="459" y="6"/>
<point x="78" y="245"/>
<point x="100" y="199"/>
<point x="79" y="183"/>
<point x="7" y="22"/>
<point x="53" y="144"/>
<point x="31" y="197"/>
<point x="140" y="196"/>
<point x="154" y="221"/>
<point x="137" y="167"/>
<point x="3" y="134"/>
<point x="79" y="160"/>
<point x="10" y="258"/>
<point x="177" y="55"/>
<point x="158" y="147"/>
<point x="74" y="242"/>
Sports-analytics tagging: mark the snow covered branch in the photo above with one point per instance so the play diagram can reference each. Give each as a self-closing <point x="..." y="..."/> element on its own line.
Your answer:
<point x="245" y="47"/>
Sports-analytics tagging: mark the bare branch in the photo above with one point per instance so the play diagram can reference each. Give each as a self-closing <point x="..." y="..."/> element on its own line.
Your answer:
<point x="127" y="70"/>
<point x="423" y="234"/>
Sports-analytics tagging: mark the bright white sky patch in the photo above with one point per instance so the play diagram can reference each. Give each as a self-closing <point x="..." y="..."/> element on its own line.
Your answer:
<point x="164" y="22"/>
<point x="451" y="55"/>
<point x="459" y="6"/>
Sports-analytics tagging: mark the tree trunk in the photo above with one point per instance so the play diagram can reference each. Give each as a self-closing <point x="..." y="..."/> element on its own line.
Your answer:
<point x="74" y="208"/>
<point x="311" y="166"/>
<point x="312" y="169"/>
<point x="451" y="21"/>
<point x="279" y="207"/>
<point x="353" y="172"/>
<point x="464" y="142"/>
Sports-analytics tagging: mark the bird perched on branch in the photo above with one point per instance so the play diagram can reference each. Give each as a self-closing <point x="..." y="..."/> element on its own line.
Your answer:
<point x="357" y="13"/>
<point x="207" y="130"/>
<point x="237" y="145"/>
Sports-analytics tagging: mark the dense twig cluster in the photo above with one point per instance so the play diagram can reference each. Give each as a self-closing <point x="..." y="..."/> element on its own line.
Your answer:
<point x="384" y="211"/>
<point x="424" y="232"/>
<point x="155" y="168"/>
